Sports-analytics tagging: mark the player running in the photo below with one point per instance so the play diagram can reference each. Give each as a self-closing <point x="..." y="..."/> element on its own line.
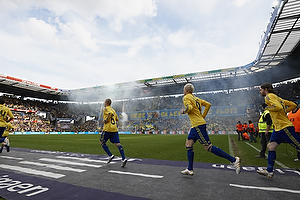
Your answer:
<point x="110" y="131"/>
<point x="284" y="129"/>
<point x="193" y="107"/>
<point x="5" y="139"/>
<point x="5" y="117"/>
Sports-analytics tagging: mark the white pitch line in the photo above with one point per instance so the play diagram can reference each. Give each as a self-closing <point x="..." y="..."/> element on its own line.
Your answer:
<point x="69" y="163"/>
<point x="277" y="162"/>
<point x="31" y="171"/>
<point x="230" y="146"/>
<point x="13" y="158"/>
<point x="52" y="166"/>
<point x="136" y="174"/>
<point x="84" y="159"/>
<point x="274" y="189"/>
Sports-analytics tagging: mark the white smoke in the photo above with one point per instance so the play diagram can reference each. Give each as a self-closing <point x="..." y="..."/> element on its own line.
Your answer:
<point x="124" y="116"/>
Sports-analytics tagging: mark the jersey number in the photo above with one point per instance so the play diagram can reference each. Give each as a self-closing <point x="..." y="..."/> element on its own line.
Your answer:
<point x="112" y="121"/>
<point x="198" y="106"/>
<point x="283" y="106"/>
<point x="3" y="113"/>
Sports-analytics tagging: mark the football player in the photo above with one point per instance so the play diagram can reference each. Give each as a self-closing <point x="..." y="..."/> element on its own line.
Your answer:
<point x="284" y="128"/>
<point x="110" y="132"/>
<point x="193" y="107"/>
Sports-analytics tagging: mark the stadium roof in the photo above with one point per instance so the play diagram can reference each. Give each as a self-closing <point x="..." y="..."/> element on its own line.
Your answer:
<point x="281" y="38"/>
<point x="280" y="41"/>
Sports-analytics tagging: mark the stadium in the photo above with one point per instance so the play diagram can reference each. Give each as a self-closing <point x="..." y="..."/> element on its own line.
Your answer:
<point x="147" y="109"/>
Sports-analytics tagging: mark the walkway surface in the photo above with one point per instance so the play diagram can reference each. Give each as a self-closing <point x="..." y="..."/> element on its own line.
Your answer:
<point x="33" y="174"/>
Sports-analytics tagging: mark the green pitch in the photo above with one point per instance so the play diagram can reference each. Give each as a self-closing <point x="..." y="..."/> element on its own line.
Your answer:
<point x="163" y="147"/>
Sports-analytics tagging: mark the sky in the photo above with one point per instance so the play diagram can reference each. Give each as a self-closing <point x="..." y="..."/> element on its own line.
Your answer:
<point x="73" y="44"/>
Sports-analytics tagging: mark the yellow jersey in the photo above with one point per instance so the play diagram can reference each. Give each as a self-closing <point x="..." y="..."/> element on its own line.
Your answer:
<point x="4" y="111"/>
<point x="278" y="109"/>
<point x="8" y="127"/>
<point x="111" y="117"/>
<point x="193" y="107"/>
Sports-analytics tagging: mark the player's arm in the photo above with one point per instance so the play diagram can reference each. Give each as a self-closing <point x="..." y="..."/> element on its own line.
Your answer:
<point x="117" y="118"/>
<point x="187" y="106"/>
<point x="207" y="106"/>
<point x="273" y="104"/>
<point x="290" y="105"/>
<point x="9" y="116"/>
<point x="106" y="120"/>
<point x="10" y="126"/>
<point x="106" y="115"/>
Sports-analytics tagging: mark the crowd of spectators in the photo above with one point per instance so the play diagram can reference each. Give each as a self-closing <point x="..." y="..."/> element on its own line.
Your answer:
<point x="28" y="118"/>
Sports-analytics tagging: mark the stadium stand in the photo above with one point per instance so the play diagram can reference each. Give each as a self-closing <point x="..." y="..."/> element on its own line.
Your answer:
<point x="43" y="116"/>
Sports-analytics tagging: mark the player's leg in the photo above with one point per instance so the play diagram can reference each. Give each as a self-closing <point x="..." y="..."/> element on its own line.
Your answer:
<point x="116" y="140"/>
<point x="190" y="152"/>
<point x="204" y="139"/>
<point x="271" y="155"/>
<point x="2" y="143"/>
<point x="292" y="137"/>
<point x="7" y="144"/>
<point x="103" y="139"/>
<point x="2" y="129"/>
<point x="275" y="140"/>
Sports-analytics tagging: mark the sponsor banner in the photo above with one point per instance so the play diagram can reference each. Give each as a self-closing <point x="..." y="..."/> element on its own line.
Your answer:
<point x="29" y="133"/>
<point x="221" y="111"/>
<point x="137" y="116"/>
<point x="67" y="132"/>
<point x="124" y="132"/>
<point x="120" y="132"/>
<point x="33" y="133"/>
<point x="88" y="133"/>
<point x="54" y="132"/>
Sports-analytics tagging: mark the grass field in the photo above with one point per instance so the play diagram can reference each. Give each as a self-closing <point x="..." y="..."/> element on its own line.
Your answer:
<point x="164" y="147"/>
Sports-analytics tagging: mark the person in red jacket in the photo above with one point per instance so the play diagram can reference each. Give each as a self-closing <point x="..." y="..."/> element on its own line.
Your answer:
<point x="251" y="130"/>
<point x="239" y="130"/>
<point x="245" y="127"/>
<point x="246" y="136"/>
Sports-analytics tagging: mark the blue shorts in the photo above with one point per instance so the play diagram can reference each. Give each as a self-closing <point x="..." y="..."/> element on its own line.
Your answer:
<point x="199" y="133"/>
<point x="288" y="134"/>
<point x="2" y="139"/>
<point x="113" y="137"/>
<point x="2" y="129"/>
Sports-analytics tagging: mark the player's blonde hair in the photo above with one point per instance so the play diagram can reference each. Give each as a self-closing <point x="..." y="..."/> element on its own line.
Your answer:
<point x="189" y="88"/>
